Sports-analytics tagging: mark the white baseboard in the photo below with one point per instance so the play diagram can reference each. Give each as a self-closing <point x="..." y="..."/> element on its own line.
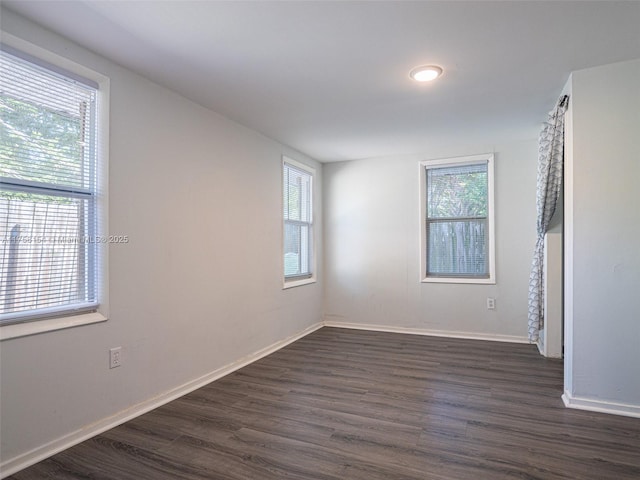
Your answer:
<point x="13" y="465"/>
<point x="601" y="406"/>
<point x="433" y="333"/>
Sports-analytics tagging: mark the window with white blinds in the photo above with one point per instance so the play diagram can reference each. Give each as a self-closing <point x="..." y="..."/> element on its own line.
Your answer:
<point x="298" y="220"/>
<point x="458" y="219"/>
<point x="48" y="191"/>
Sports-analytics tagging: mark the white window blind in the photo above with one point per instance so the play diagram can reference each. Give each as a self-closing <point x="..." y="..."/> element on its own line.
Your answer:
<point x="48" y="189"/>
<point x="457" y="220"/>
<point x="298" y="221"/>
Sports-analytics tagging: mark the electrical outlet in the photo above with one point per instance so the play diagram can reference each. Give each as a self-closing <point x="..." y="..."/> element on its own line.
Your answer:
<point x="115" y="357"/>
<point x="491" y="303"/>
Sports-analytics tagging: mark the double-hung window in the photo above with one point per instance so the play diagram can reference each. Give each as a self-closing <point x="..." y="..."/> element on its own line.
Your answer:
<point x="298" y="223"/>
<point x="50" y="243"/>
<point x="457" y="220"/>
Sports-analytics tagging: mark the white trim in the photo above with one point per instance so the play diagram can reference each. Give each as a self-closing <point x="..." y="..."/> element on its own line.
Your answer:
<point x="298" y="283"/>
<point x="568" y="235"/>
<point x="49" y="67"/>
<point x="491" y="250"/>
<point x="300" y="165"/>
<point x="36" y="455"/>
<point x="35" y="327"/>
<point x="67" y="310"/>
<point x="102" y="164"/>
<point x="52" y="58"/>
<point x="11" y="466"/>
<point x="476" y="281"/>
<point x="601" y="406"/>
<point x="313" y="267"/>
<point x="431" y="333"/>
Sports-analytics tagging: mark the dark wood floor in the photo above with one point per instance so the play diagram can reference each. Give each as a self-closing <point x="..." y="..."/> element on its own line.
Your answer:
<point x="348" y="404"/>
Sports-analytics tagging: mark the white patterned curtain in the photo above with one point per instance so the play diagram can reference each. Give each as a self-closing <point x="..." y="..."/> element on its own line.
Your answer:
<point x="550" y="163"/>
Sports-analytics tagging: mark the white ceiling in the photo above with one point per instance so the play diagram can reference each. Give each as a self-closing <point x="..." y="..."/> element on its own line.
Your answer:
<point x="331" y="78"/>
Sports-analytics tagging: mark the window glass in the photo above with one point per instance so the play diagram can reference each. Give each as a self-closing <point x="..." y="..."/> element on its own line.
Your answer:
<point x="457" y="222"/>
<point x="48" y="189"/>
<point x="298" y="225"/>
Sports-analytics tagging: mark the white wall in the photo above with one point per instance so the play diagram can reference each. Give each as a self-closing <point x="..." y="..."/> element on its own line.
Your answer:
<point x="603" y="231"/>
<point x="372" y="247"/>
<point x="198" y="286"/>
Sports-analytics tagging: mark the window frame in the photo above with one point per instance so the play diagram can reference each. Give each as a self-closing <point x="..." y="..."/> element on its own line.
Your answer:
<point x="485" y="158"/>
<point x="307" y="278"/>
<point x="52" y="321"/>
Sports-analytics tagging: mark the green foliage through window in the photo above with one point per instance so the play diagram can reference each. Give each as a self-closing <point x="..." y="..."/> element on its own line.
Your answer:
<point x="47" y="191"/>
<point x="457" y="209"/>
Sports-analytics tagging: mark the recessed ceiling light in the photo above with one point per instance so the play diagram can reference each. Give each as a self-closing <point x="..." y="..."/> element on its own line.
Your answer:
<point x="426" y="73"/>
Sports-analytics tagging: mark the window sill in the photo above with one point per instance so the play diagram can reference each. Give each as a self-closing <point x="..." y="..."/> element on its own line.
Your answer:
<point x="477" y="281"/>
<point x="298" y="283"/>
<point x="36" y="327"/>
